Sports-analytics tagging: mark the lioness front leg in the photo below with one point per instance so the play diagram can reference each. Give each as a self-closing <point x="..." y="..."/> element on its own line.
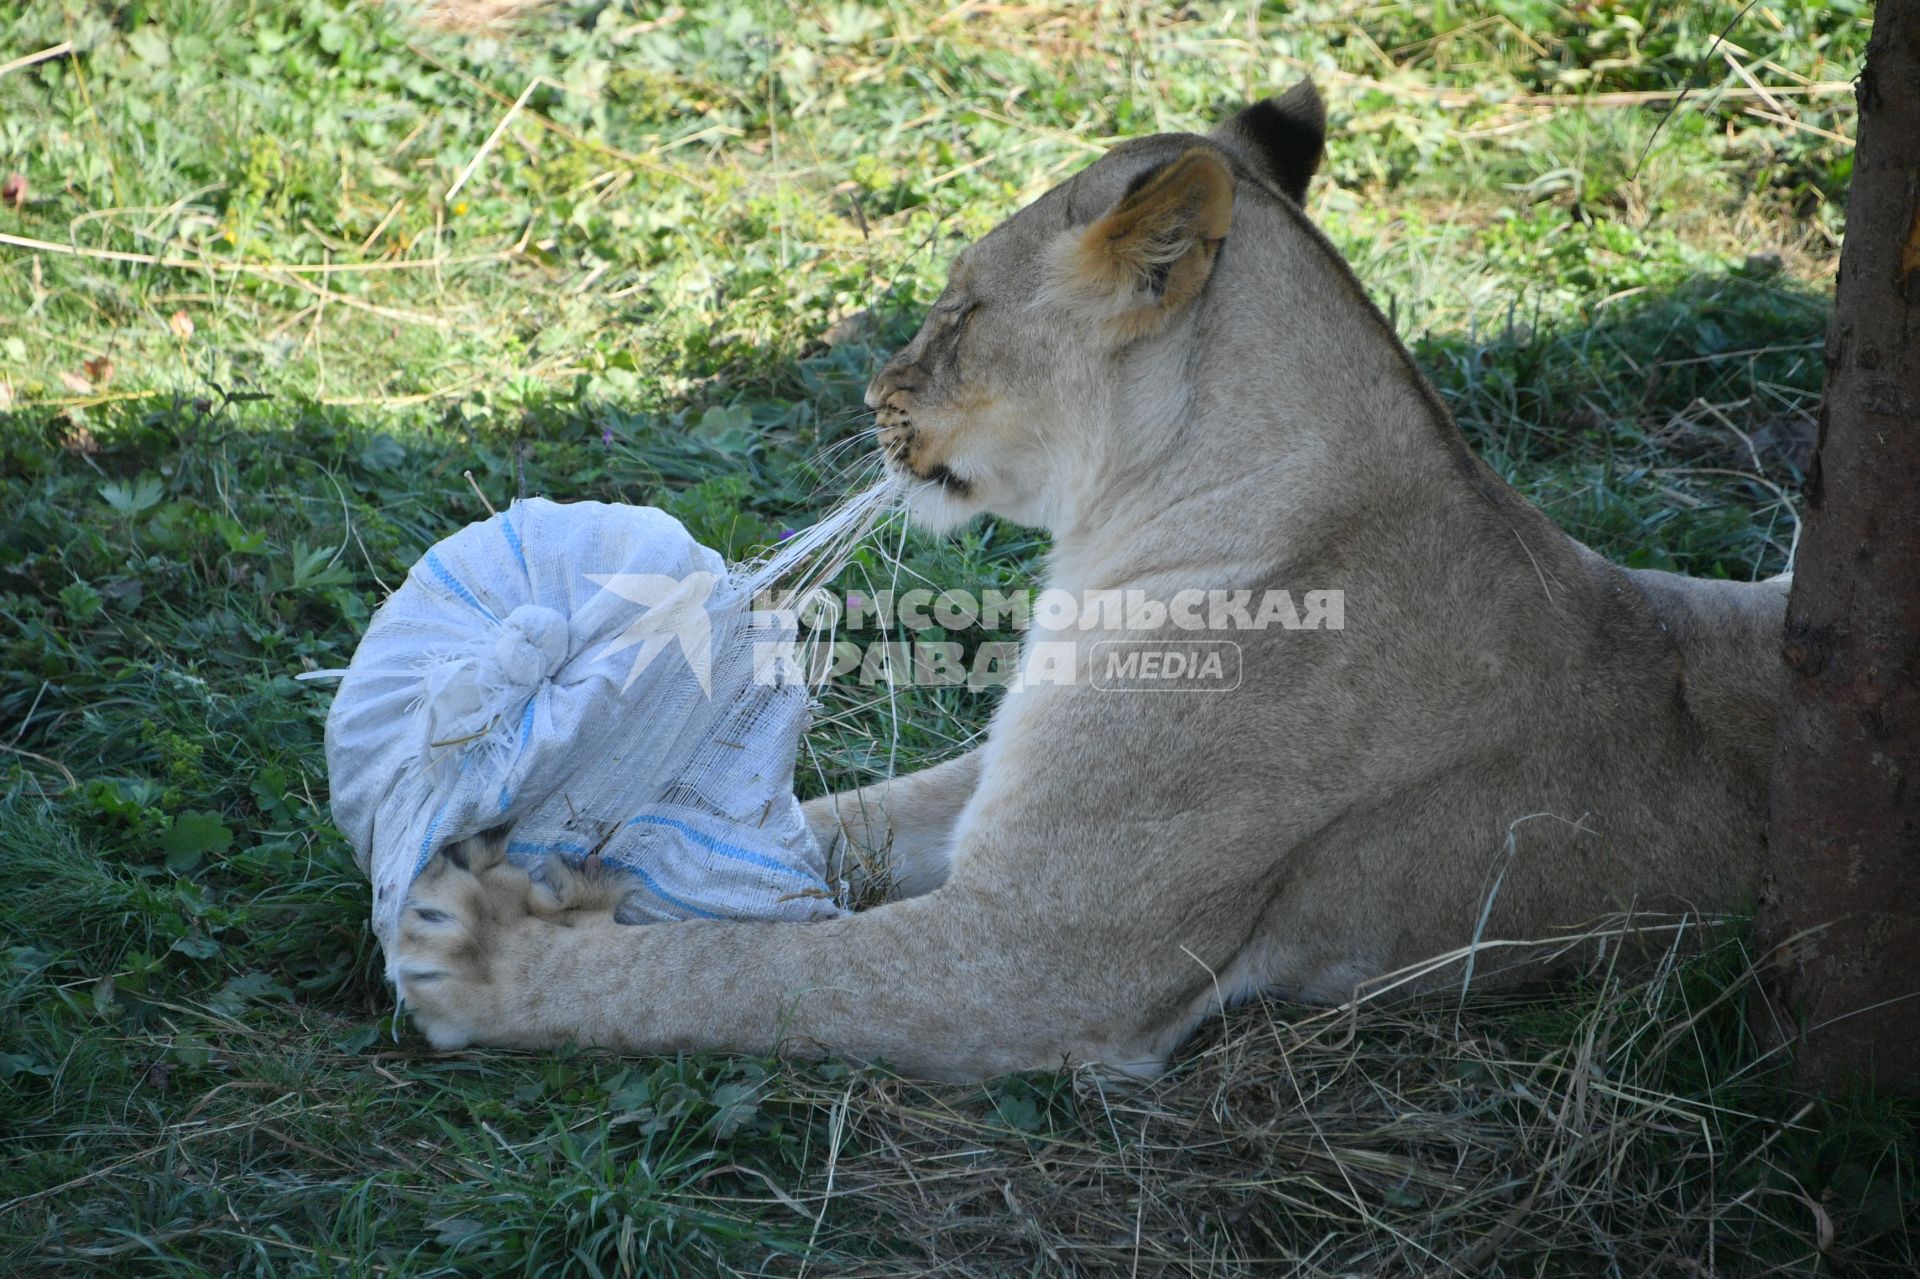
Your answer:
<point x="897" y="833"/>
<point x="959" y="984"/>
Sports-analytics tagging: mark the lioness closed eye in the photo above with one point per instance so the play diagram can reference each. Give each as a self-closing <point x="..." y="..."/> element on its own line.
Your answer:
<point x="1163" y="363"/>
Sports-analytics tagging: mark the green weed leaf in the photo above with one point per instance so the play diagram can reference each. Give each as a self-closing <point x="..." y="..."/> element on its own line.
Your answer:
<point x="193" y="836"/>
<point x="132" y="498"/>
<point x="80" y="602"/>
<point x="196" y="946"/>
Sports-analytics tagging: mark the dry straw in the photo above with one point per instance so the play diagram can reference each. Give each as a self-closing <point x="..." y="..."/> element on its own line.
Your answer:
<point x="1386" y="1137"/>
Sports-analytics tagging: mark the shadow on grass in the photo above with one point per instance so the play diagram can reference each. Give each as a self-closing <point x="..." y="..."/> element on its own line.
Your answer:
<point x="1669" y="430"/>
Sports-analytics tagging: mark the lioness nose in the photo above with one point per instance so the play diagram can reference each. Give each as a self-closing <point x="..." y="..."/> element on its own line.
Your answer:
<point x="897" y="374"/>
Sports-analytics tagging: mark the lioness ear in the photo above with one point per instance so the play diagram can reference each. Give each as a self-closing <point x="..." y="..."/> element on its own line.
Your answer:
<point x="1283" y="135"/>
<point x="1151" y="254"/>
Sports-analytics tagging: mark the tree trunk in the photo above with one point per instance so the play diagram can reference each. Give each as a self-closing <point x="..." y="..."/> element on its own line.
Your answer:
<point x="1845" y="805"/>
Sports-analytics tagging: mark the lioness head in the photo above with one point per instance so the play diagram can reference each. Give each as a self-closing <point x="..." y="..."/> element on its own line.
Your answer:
<point x="1076" y="317"/>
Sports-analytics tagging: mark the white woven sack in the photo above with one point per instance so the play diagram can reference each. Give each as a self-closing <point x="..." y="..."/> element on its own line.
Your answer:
<point x="594" y="679"/>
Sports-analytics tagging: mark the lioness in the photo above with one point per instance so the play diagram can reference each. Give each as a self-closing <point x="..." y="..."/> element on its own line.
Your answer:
<point x="1164" y="364"/>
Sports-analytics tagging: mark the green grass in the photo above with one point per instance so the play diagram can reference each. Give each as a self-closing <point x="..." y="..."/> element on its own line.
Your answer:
<point x="667" y="282"/>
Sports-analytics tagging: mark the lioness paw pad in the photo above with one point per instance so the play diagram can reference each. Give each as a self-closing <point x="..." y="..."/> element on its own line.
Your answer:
<point x="453" y="926"/>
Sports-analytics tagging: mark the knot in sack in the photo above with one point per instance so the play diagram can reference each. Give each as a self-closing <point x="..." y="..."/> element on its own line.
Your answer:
<point x="532" y="644"/>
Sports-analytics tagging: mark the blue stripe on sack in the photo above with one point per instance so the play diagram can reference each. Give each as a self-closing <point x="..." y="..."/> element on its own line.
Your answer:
<point x="711" y="844"/>
<point x="454" y="584"/>
<point x="426" y="842"/>
<point x="668" y="897"/>
<point x="513" y="543"/>
<point x="557" y="846"/>
<point x="526" y="731"/>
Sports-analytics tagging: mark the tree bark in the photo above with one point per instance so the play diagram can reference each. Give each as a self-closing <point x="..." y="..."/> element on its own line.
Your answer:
<point x="1845" y="804"/>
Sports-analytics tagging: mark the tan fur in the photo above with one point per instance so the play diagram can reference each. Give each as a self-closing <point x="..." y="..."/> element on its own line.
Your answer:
<point x="1173" y="225"/>
<point x="1510" y="734"/>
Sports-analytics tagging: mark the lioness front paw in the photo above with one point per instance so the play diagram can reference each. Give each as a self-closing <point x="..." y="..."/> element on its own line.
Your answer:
<point x="475" y="933"/>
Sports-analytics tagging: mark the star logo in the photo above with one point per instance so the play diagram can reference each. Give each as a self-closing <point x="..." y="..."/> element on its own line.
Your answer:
<point x="676" y="613"/>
